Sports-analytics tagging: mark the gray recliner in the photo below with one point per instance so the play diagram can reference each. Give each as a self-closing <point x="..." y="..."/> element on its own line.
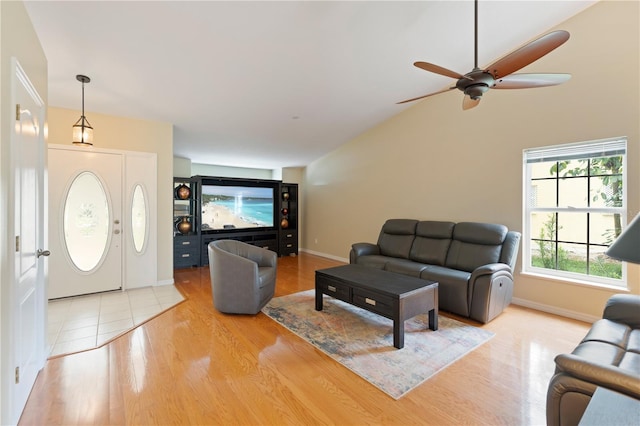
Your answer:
<point x="607" y="357"/>
<point x="243" y="277"/>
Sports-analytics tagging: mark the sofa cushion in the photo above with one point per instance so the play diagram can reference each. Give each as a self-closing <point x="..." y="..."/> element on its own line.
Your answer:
<point x="405" y="267"/>
<point x="396" y="237"/>
<point x="432" y="242"/>
<point x="453" y="287"/>
<point x="475" y="244"/>
<point x="611" y="343"/>
<point x="607" y="331"/>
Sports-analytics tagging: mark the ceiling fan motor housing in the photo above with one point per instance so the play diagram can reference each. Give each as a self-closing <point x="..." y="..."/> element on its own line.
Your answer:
<point x="475" y="83"/>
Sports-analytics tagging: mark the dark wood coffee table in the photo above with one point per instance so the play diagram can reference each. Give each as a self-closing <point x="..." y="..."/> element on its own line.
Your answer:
<point x="394" y="296"/>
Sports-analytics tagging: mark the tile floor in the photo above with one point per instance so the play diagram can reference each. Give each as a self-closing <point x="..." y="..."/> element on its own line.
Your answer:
<point x="86" y="322"/>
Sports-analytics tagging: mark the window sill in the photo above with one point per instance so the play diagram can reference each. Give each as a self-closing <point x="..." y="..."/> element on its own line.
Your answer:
<point x="623" y="288"/>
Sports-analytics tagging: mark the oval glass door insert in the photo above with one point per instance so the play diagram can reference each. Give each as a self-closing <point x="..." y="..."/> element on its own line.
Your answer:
<point x="86" y="221"/>
<point x="139" y="218"/>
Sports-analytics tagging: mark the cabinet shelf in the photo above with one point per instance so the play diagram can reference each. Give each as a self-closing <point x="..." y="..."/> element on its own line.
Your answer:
<point x="288" y="214"/>
<point x="186" y="238"/>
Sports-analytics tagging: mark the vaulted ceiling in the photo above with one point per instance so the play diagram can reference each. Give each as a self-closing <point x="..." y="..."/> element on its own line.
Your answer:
<point x="271" y="84"/>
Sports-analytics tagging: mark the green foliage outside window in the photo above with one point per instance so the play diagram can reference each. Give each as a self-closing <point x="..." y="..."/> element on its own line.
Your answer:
<point x="550" y="254"/>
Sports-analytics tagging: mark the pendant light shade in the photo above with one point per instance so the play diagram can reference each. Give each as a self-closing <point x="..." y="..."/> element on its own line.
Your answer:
<point x="82" y="130"/>
<point x="627" y="246"/>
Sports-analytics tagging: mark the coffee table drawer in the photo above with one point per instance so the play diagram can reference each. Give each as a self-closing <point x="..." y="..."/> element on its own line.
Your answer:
<point x="335" y="289"/>
<point x="373" y="302"/>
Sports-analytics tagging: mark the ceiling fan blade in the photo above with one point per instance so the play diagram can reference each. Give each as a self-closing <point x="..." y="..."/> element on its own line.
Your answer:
<point x="525" y="81"/>
<point x="468" y="103"/>
<point x="438" y="70"/>
<point x="425" y="96"/>
<point x="527" y="54"/>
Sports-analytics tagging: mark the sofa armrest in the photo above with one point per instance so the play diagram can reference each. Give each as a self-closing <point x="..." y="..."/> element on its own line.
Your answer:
<point x="489" y="269"/>
<point x="490" y="291"/>
<point x="362" y="249"/>
<point x="624" y="308"/>
<point x="606" y="376"/>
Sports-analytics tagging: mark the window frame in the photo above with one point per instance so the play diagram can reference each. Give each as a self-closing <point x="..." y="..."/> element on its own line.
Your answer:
<point x="573" y="151"/>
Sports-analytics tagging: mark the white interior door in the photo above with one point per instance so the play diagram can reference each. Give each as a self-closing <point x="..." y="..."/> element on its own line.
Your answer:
<point x="85" y="221"/>
<point x="29" y="270"/>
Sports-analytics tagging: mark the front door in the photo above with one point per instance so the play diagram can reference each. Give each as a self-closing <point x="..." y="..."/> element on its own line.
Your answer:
<point x="85" y="215"/>
<point x="28" y="292"/>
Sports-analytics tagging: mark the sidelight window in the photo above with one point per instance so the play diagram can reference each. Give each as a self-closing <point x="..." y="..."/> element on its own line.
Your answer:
<point x="139" y="218"/>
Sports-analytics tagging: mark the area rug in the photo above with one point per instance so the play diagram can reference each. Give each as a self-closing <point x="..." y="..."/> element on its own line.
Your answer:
<point x="363" y="341"/>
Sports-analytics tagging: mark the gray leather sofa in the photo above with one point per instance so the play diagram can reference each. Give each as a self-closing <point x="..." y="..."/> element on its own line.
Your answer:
<point x="608" y="357"/>
<point x="243" y="276"/>
<point x="472" y="262"/>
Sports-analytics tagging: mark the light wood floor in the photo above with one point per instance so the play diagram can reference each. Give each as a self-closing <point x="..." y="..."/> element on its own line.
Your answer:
<point x="194" y="365"/>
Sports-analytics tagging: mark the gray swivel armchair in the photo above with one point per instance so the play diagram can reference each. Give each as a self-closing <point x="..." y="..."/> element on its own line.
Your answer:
<point x="243" y="277"/>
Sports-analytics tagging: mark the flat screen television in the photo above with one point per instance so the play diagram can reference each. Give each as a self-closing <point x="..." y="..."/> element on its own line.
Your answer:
<point x="235" y="206"/>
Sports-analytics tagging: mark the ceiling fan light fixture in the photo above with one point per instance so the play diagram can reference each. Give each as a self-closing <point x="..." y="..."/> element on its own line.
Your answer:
<point x="475" y="91"/>
<point x="499" y="75"/>
<point x="82" y="130"/>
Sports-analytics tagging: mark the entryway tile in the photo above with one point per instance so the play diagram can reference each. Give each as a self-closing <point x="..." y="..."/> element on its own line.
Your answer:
<point x="86" y="322"/>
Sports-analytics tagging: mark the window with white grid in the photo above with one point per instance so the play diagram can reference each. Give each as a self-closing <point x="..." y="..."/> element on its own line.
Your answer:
<point x="574" y="208"/>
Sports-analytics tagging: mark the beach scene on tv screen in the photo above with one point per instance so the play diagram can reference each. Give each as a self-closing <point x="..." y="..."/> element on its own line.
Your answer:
<point x="236" y="207"/>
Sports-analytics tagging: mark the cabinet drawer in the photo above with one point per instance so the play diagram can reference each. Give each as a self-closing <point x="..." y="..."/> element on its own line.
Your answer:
<point x="373" y="302"/>
<point x="185" y="258"/>
<point x="288" y="246"/>
<point x="334" y="289"/>
<point x="289" y="235"/>
<point x="185" y="242"/>
<point x="186" y="252"/>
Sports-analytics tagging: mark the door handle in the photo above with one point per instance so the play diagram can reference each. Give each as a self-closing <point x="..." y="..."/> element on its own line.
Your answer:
<point x="41" y="252"/>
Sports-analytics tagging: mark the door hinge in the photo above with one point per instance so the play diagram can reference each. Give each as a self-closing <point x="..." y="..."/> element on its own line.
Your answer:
<point x="17" y="243"/>
<point x="17" y="375"/>
<point x="17" y="112"/>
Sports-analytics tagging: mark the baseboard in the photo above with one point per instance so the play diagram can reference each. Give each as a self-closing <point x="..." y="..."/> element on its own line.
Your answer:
<point x="328" y="256"/>
<point x="164" y="282"/>
<point x="555" y="310"/>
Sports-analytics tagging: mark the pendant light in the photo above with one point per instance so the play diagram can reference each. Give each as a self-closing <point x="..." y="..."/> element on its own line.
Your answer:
<point x="82" y="130"/>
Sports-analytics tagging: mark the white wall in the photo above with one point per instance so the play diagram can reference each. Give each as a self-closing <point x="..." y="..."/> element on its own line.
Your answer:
<point x="181" y="167"/>
<point x="434" y="161"/>
<point x="226" y="171"/>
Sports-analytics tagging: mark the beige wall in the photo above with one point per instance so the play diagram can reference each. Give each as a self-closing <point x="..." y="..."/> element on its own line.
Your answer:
<point x="17" y="39"/>
<point x="129" y="134"/>
<point x="435" y="161"/>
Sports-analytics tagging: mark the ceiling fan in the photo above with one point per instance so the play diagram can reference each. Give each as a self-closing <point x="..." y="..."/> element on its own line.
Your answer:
<point x="499" y="74"/>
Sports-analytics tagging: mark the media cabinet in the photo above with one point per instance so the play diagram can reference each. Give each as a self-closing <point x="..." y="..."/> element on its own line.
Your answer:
<point x="191" y="239"/>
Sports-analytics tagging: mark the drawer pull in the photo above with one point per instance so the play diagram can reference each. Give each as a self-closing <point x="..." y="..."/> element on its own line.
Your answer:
<point x="370" y="301"/>
<point x="186" y="255"/>
<point x="331" y="288"/>
<point x="186" y="243"/>
<point x="289" y="235"/>
<point x="291" y="245"/>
